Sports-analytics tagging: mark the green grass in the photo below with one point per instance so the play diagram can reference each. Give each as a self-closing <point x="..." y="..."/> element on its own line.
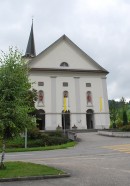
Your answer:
<point x="22" y="169"/>
<point x="63" y="146"/>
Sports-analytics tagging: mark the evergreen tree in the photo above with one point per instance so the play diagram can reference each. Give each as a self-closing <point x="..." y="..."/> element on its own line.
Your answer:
<point x="125" y="118"/>
<point x="113" y="106"/>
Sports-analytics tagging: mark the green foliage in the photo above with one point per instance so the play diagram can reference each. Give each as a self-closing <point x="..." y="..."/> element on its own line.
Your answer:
<point x="125" y="119"/>
<point x="31" y="97"/>
<point x="34" y="133"/>
<point x="36" y="139"/>
<point x="48" y="140"/>
<point x="123" y="104"/>
<point x="125" y="128"/>
<point x="14" y="90"/>
<point x="119" y="113"/>
<point x="119" y="122"/>
<point x="56" y="133"/>
<point x="112" y="126"/>
<point x="113" y="113"/>
<point x="15" y="142"/>
<point x="128" y="112"/>
<point x="36" y="143"/>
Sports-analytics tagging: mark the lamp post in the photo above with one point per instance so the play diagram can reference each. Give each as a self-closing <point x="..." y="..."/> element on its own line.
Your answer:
<point x="64" y="122"/>
<point x="25" y="138"/>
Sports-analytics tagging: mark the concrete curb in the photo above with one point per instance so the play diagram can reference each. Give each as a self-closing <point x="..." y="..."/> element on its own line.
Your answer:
<point x="115" y="134"/>
<point x="34" y="177"/>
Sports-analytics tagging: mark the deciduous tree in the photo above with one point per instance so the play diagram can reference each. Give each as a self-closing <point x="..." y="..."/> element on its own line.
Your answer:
<point x="14" y="89"/>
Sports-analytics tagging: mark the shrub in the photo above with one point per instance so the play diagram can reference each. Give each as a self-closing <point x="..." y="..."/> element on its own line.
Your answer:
<point x="47" y="141"/>
<point x="53" y="140"/>
<point x="37" y="139"/>
<point x="35" y="143"/>
<point x="57" y="140"/>
<point x="112" y="126"/>
<point x="56" y="133"/>
<point x="125" y="118"/>
<point x="119" y="125"/>
<point x="15" y="143"/>
<point x="125" y="128"/>
<point x="34" y="133"/>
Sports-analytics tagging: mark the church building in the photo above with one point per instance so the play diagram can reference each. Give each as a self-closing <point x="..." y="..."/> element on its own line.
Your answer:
<point x="71" y="87"/>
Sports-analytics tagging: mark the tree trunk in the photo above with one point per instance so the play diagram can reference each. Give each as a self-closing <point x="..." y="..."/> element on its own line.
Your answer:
<point x="2" y="166"/>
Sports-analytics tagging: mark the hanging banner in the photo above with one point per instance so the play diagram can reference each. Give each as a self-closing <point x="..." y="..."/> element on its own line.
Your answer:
<point x="100" y="104"/>
<point x="65" y="104"/>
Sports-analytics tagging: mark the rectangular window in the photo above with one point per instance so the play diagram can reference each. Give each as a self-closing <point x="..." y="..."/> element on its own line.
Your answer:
<point x="65" y="84"/>
<point x="88" y="84"/>
<point x="40" y="83"/>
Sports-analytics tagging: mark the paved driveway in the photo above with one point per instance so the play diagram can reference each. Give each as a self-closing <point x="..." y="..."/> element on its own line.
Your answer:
<point x="95" y="161"/>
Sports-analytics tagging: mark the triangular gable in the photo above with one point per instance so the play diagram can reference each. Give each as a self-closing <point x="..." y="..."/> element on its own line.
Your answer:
<point x="64" y="50"/>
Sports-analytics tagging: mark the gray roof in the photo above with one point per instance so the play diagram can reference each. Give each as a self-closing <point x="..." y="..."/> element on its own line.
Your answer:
<point x="30" y="51"/>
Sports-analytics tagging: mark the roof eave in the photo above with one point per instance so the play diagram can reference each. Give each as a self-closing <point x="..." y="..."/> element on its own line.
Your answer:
<point x="69" y="70"/>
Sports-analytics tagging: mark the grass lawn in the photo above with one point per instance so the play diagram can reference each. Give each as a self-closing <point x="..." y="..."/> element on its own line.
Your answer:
<point x="22" y="169"/>
<point x="63" y="146"/>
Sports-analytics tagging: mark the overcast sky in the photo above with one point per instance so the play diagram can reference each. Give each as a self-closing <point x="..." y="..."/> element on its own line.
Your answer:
<point x="101" y="28"/>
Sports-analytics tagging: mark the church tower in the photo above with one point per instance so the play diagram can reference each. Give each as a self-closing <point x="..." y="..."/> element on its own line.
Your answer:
<point x="30" y="50"/>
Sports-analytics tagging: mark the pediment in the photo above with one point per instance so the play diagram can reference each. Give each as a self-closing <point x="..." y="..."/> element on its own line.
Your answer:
<point x="64" y="51"/>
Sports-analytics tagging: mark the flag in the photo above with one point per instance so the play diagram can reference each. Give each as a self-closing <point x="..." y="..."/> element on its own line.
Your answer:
<point x="100" y="104"/>
<point x="65" y="104"/>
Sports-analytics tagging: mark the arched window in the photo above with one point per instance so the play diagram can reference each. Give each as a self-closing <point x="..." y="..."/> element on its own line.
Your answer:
<point x="64" y="64"/>
<point x="40" y="98"/>
<point x="89" y="98"/>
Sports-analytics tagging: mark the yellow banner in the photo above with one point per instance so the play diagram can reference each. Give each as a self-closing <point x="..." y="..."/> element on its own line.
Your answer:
<point x="65" y="104"/>
<point x="100" y="104"/>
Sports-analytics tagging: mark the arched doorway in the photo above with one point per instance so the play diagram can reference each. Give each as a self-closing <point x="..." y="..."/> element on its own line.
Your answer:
<point x="40" y="119"/>
<point x="90" y="119"/>
<point x="66" y="119"/>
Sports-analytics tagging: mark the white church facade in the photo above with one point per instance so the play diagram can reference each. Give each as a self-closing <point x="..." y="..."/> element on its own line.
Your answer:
<point x="71" y="87"/>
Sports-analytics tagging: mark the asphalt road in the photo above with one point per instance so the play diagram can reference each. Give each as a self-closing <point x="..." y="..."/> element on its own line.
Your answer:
<point x="95" y="161"/>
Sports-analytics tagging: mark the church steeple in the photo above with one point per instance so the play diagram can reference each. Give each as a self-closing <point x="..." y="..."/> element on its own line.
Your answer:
<point x="30" y="51"/>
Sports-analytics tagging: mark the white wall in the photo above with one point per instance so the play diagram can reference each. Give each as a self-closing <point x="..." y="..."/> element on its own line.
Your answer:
<point x="63" y="52"/>
<point x="98" y="89"/>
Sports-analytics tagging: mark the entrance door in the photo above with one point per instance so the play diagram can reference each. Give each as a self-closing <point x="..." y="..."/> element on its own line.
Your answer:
<point x="40" y="119"/>
<point x="89" y="119"/>
<point x="66" y="119"/>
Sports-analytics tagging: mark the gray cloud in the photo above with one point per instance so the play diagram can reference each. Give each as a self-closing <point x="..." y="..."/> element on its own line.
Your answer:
<point x="101" y="28"/>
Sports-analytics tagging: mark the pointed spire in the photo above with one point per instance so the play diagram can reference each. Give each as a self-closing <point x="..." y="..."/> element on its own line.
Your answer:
<point x="30" y="51"/>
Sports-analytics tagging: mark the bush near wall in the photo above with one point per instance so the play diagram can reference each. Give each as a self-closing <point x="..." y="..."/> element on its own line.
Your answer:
<point x="47" y="141"/>
<point x="36" y="134"/>
<point x="38" y="139"/>
<point x="125" y="128"/>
